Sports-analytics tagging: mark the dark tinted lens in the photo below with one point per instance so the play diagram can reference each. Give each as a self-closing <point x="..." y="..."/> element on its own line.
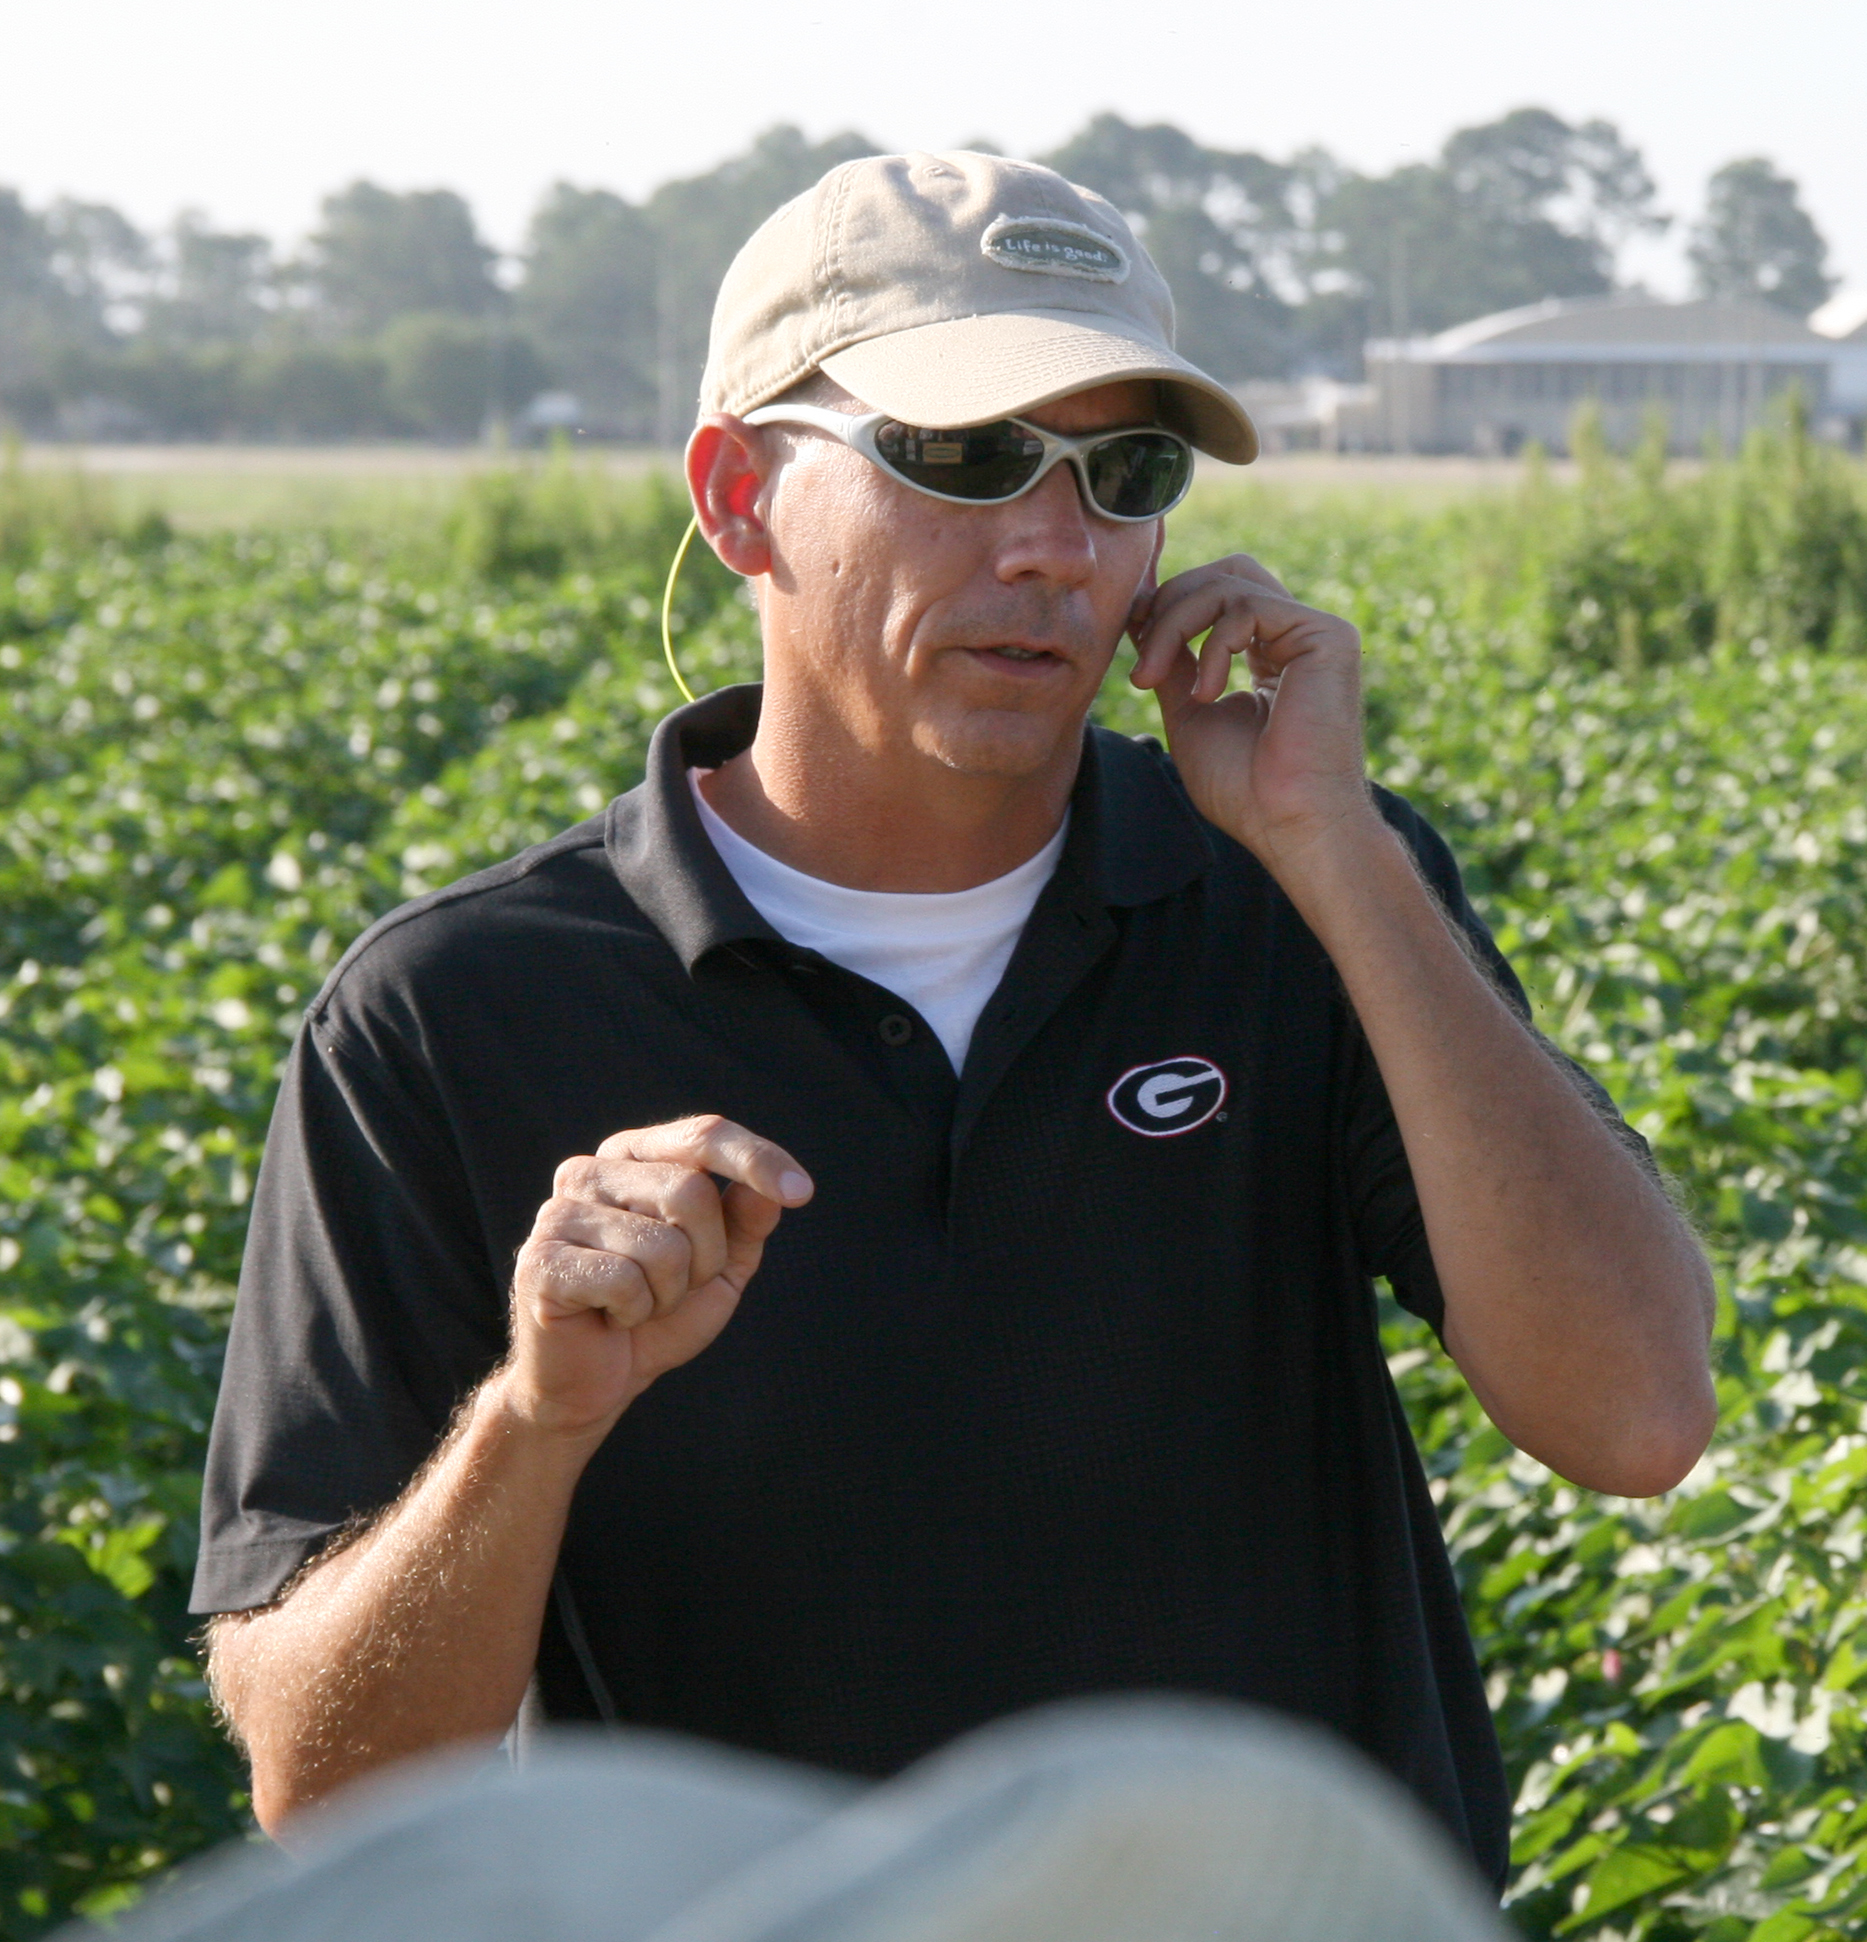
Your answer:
<point x="1136" y="475"/>
<point x="974" y="462"/>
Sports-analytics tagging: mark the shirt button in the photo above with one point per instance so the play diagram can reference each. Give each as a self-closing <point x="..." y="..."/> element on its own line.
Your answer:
<point x="895" y="1029"/>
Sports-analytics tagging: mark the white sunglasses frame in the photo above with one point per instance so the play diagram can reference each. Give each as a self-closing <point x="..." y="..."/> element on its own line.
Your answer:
<point x="858" y="433"/>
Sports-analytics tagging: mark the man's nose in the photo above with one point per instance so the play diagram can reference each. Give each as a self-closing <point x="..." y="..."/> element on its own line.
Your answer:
<point x="1049" y="534"/>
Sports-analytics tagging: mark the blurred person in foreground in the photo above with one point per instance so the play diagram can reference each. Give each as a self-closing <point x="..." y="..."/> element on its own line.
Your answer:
<point x="947" y="1150"/>
<point x="1106" y="1820"/>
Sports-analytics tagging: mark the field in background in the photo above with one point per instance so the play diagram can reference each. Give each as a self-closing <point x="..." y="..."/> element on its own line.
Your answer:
<point x="200" y="487"/>
<point x="233" y="730"/>
<point x="203" y="488"/>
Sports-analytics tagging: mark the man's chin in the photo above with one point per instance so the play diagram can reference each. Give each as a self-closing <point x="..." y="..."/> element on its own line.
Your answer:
<point x="1003" y="742"/>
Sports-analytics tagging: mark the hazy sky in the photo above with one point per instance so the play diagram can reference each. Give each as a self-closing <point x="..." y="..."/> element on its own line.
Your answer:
<point x="251" y="111"/>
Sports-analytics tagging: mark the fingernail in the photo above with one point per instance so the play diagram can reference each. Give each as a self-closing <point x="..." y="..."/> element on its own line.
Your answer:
<point x="794" y="1186"/>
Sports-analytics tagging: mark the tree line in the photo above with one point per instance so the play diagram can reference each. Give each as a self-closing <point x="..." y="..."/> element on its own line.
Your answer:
<point x="397" y="319"/>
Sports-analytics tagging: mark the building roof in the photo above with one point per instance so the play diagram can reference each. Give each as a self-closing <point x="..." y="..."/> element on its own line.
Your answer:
<point x="1622" y="329"/>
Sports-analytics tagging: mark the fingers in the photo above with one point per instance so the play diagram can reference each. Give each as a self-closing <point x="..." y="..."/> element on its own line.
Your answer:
<point x="750" y="1218"/>
<point x="1235" y="566"/>
<point x="680" y="1196"/>
<point x="636" y="1228"/>
<point x="1238" y="566"/>
<point x="1215" y="663"/>
<point x="1178" y="705"/>
<point x="718" y="1146"/>
<point x="563" y="1278"/>
<point x="1237" y="616"/>
<point x="663" y="1253"/>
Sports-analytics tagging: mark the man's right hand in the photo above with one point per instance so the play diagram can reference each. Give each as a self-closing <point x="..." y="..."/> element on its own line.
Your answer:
<point x="423" y="1632"/>
<point x="636" y="1263"/>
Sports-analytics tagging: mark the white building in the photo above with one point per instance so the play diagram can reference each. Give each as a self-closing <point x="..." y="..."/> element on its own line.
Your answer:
<point x="1843" y="321"/>
<point x="1713" y="369"/>
<point x="1308" y="414"/>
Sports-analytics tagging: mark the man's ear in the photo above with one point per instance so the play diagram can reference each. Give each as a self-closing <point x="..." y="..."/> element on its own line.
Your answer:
<point x="728" y="464"/>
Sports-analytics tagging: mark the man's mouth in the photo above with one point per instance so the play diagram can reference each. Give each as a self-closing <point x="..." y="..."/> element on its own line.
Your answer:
<point x="1007" y="655"/>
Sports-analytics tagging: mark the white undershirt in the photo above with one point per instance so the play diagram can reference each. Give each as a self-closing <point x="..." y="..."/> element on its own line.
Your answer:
<point x="944" y="951"/>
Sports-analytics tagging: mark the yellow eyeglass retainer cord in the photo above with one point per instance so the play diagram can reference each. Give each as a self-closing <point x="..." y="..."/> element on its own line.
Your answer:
<point x="667" y="610"/>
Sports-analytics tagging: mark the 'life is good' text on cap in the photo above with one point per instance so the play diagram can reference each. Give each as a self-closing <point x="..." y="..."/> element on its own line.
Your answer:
<point x="954" y="289"/>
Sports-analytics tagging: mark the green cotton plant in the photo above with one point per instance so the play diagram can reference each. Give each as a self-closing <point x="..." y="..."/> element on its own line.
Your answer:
<point x="1625" y="585"/>
<point x="566" y="763"/>
<point x="41" y="508"/>
<point x="532" y="521"/>
<point x="1641" y="562"/>
<point x="224" y="754"/>
<point x="1678" y="864"/>
<point x="1789" y="541"/>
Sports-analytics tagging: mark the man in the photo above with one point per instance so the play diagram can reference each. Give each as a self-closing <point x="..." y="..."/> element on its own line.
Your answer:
<point x="965" y="1143"/>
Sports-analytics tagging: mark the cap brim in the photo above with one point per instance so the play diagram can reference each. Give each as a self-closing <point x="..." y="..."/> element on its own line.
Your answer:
<point x="970" y="370"/>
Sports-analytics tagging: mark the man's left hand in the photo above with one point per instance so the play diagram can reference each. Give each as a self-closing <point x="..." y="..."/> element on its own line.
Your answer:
<point x="1576" y="1300"/>
<point x="1276" y="766"/>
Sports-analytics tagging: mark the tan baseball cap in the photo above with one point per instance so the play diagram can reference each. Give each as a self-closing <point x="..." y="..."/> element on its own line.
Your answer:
<point x="953" y="289"/>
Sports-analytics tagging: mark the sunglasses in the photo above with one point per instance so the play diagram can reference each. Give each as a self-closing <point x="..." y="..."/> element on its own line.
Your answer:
<point x="1132" y="475"/>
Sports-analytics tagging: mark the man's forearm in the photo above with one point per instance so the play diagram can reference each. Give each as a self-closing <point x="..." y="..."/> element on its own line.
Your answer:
<point x="1577" y="1303"/>
<point x="423" y="1633"/>
<point x="420" y="1635"/>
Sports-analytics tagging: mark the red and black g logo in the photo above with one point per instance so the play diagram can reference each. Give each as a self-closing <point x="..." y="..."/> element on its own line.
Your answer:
<point x="1169" y="1096"/>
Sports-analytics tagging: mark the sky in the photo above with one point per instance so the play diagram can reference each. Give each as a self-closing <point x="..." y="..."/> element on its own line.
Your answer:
<point x="249" y="113"/>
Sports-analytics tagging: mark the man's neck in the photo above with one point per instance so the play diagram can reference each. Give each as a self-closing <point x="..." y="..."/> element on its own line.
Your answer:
<point x="896" y="821"/>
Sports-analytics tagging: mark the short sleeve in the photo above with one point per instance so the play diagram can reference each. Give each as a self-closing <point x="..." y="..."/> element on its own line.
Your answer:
<point x="367" y="1309"/>
<point x="1390" y="1234"/>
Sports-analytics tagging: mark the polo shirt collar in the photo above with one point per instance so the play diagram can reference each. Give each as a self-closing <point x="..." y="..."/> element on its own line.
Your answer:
<point x="1134" y="837"/>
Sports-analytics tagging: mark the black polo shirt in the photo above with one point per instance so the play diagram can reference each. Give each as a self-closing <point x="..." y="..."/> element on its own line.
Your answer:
<point x="1067" y="1379"/>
